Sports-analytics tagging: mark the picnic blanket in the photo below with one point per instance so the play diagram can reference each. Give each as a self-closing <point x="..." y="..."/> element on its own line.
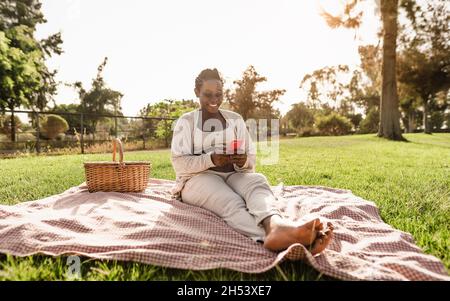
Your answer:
<point x="153" y="228"/>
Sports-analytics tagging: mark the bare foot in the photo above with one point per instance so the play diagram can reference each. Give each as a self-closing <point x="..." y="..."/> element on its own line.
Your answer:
<point x="281" y="234"/>
<point x="322" y="240"/>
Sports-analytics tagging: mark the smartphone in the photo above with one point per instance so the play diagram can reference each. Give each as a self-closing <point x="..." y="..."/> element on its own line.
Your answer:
<point x="235" y="145"/>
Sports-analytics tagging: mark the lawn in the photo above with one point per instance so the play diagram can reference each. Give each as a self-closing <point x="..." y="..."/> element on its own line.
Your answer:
<point x="410" y="183"/>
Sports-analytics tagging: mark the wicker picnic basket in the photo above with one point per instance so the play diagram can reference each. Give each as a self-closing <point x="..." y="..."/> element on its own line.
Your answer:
<point x="131" y="176"/>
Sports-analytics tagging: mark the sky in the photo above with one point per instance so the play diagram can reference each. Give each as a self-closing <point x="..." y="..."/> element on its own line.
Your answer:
<point x="156" y="49"/>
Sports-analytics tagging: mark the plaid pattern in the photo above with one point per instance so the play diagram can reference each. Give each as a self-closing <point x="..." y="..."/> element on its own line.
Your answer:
<point x="153" y="228"/>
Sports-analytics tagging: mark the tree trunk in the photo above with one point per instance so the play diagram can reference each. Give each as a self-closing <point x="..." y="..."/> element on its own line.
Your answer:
<point x="411" y="121"/>
<point x="426" y="124"/>
<point x="115" y="120"/>
<point x="94" y="128"/>
<point x="389" y="113"/>
<point x="13" y="126"/>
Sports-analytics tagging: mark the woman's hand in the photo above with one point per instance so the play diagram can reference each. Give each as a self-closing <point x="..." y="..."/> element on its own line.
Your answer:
<point x="220" y="159"/>
<point x="238" y="159"/>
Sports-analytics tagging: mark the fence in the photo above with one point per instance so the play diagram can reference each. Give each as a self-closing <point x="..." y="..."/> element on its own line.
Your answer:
<point x="83" y="132"/>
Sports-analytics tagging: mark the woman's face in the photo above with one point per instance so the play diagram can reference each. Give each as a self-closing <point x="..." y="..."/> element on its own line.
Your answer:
<point x="211" y="95"/>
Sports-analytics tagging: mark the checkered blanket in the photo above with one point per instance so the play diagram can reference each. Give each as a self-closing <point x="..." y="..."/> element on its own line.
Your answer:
<point x="153" y="228"/>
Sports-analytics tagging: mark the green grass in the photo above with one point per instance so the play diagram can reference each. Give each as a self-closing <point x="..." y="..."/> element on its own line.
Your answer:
<point x="410" y="183"/>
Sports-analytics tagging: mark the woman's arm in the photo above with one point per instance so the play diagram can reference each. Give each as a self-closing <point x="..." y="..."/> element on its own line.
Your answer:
<point x="183" y="160"/>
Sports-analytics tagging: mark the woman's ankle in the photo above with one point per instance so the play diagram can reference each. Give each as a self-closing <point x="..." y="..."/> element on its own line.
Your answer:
<point x="272" y="221"/>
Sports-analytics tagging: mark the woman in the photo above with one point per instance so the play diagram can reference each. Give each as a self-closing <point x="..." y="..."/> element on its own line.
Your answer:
<point x="211" y="176"/>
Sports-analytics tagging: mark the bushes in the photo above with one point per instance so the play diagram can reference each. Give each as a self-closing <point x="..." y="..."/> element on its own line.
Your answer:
<point x="437" y="120"/>
<point x="52" y="126"/>
<point x="5" y="125"/>
<point x="307" y="132"/>
<point x="334" y="124"/>
<point x="370" y="123"/>
<point x="307" y="120"/>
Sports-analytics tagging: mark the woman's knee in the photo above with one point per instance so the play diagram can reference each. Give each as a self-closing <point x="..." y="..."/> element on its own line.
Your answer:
<point x="198" y="185"/>
<point x="211" y="192"/>
<point x="202" y="179"/>
<point x="259" y="177"/>
<point x="256" y="179"/>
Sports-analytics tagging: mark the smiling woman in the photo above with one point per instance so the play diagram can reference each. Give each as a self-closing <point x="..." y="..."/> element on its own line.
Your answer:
<point x="208" y="176"/>
<point x="209" y="89"/>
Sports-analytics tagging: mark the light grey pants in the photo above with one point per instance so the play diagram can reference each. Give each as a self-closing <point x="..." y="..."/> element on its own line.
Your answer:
<point x="243" y="200"/>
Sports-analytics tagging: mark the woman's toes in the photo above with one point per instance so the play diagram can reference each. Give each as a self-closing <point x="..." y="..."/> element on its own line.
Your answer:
<point x="319" y="227"/>
<point x="321" y="242"/>
<point x="330" y="226"/>
<point x="316" y="247"/>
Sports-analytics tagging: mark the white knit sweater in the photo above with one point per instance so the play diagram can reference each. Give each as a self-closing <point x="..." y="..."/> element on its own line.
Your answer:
<point x="184" y="160"/>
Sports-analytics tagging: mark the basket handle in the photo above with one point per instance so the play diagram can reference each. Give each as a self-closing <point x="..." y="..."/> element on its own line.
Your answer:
<point x="116" y="141"/>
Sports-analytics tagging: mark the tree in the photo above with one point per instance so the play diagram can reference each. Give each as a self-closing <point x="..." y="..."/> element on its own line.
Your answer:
<point x="437" y="108"/>
<point x="364" y="86"/>
<point x="5" y="125"/>
<point x="425" y="59"/>
<point x="167" y="108"/>
<point x="99" y="100"/>
<point x="19" y="75"/>
<point x="245" y="100"/>
<point x="409" y="103"/>
<point x="365" y="90"/>
<point x="300" y="116"/>
<point x="24" y="78"/>
<point x="20" y="12"/>
<point x="323" y="85"/>
<point x="329" y="86"/>
<point x="73" y="121"/>
<point x="389" y="106"/>
<point x="389" y="112"/>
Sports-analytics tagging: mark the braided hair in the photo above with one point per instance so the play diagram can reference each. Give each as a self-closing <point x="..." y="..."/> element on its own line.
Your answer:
<point x="207" y="74"/>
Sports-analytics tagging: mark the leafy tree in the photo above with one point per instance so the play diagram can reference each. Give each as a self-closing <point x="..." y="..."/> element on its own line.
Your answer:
<point x="25" y="81"/>
<point x="323" y="85"/>
<point x="99" y="100"/>
<point x="167" y="108"/>
<point x="19" y="75"/>
<point x="389" y="107"/>
<point x="20" y="12"/>
<point x="245" y="100"/>
<point x="438" y="107"/>
<point x="300" y="116"/>
<point x="328" y="89"/>
<point x="5" y="125"/>
<point x="409" y="103"/>
<point x="425" y="59"/>
<point x="364" y="86"/>
<point x="73" y="121"/>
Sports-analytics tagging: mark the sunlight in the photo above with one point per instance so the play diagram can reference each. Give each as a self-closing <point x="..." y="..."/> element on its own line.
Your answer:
<point x="334" y="7"/>
<point x="152" y="57"/>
